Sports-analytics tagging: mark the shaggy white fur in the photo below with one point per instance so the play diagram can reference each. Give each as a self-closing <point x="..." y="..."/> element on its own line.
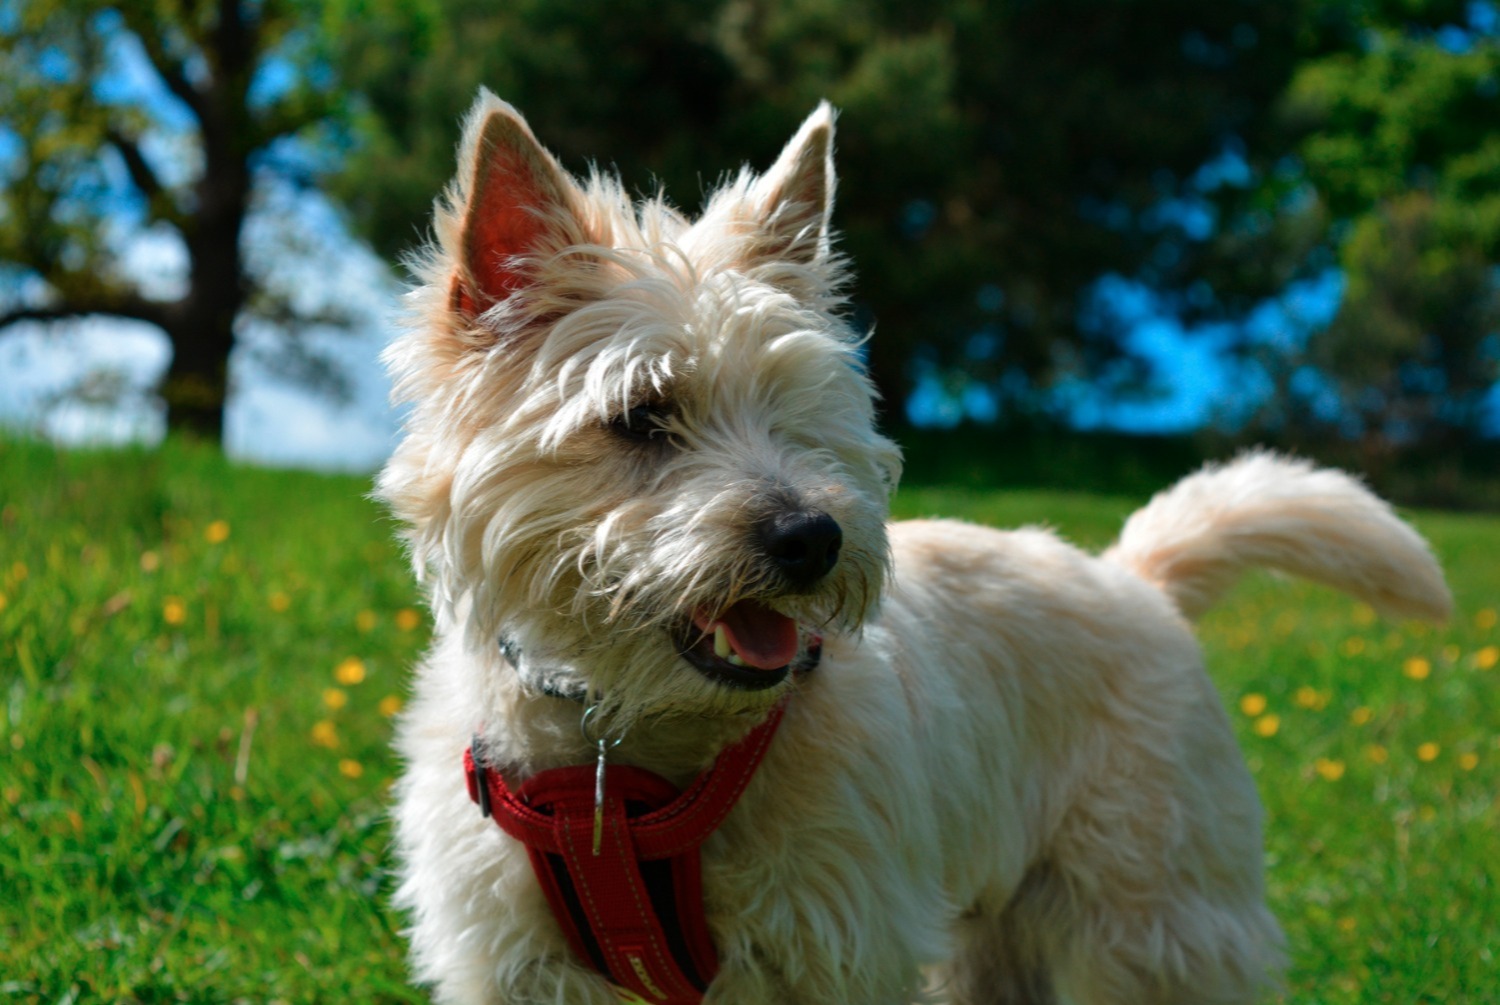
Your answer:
<point x="1007" y="780"/>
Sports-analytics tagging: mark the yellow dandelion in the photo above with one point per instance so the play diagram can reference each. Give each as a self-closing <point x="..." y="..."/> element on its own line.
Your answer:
<point x="1330" y="770"/>
<point x="324" y="734"/>
<point x="1487" y="657"/>
<point x="350" y="672"/>
<point x="1417" y="667"/>
<point x="1377" y="754"/>
<point x="1267" y="725"/>
<point x="279" y="601"/>
<point x="1253" y="704"/>
<point x="1427" y="813"/>
<point x="3" y="601"/>
<point x="365" y="620"/>
<point x="335" y="698"/>
<point x="1361" y="715"/>
<point x="1428" y="751"/>
<point x="1347" y="924"/>
<point x="216" y="532"/>
<point x="1363" y="614"/>
<point x="350" y="768"/>
<point x="389" y="705"/>
<point x="173" y="612"/>
<point x="1311" y="697"/>
<point x="1468" y="760"/>
<point x="407" y="619"/>
<point x="18" y="571"/>
<point x="1352" y="646"/>
<point x="1486" y="619"/>
<point x="150" y="561"/>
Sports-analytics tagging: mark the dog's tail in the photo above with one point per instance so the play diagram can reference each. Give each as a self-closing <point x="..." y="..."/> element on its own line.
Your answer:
<point x="1196" y="538"/>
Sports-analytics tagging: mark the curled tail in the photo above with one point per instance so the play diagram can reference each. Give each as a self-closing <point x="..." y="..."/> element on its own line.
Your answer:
<point x="1196" y="538"/>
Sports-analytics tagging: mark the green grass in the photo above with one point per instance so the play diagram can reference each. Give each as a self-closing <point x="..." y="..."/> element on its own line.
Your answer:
<point x="193" y="774"/>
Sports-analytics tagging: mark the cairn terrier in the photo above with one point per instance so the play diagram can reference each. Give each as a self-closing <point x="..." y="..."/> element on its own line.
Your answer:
<point x="642" y="484"/>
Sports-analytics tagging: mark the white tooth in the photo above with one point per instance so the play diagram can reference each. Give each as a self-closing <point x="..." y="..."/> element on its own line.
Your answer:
<point x="734" y="660"/>
<point x="721" y="643"/>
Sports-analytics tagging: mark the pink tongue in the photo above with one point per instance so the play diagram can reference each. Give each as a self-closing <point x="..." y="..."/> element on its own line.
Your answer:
<point x="761" y="637"/>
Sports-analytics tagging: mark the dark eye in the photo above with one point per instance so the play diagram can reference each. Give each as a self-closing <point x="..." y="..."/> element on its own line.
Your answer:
<point x="645" y="423"/>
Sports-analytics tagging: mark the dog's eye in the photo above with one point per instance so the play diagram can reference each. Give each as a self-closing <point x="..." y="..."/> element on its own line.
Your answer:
<point x="645" y="423"/>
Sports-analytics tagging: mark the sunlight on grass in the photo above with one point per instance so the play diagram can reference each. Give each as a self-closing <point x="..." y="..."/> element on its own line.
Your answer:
<point x="200" y="665"/>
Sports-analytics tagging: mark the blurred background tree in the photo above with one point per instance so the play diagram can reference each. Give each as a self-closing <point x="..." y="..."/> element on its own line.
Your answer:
<point x="163" y="120"/>
<point x="996" y="158"/>
<point x="1006" y="167"/>
<point x="1398" y="144"/>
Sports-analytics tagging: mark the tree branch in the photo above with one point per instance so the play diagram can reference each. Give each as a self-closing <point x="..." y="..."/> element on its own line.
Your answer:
<point x="132" y="307"/>
<point x="158" y="198"/>
<point x="141" y="172"/>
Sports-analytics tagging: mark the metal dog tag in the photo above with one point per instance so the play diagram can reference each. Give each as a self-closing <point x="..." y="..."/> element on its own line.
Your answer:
<point x="599" y="797"/>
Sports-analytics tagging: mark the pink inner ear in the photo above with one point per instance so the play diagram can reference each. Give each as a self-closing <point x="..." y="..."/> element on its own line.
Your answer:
<point x="502" y="223"/>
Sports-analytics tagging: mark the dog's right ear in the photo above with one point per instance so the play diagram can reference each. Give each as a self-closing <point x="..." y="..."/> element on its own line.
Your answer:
<point x="794" y="199"/>
<point x="515" y="202"/>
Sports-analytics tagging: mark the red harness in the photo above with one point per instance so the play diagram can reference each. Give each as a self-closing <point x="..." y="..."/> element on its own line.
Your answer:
<point x="633" y="908"/>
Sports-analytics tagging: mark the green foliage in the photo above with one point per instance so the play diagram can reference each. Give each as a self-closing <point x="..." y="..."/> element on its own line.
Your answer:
<point x="197" y="661"/>
<point x="1013" y="145"/>
<point x="1400" y="145"/>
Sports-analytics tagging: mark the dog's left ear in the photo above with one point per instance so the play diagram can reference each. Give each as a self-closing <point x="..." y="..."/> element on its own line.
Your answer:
<point x="794" y="198"/>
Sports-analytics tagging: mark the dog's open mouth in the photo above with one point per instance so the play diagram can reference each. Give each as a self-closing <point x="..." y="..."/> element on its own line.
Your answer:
<point x="748" y="646"/>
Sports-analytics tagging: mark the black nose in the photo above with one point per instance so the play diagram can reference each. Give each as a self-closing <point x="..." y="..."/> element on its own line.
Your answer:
<point x="803" y="544"/>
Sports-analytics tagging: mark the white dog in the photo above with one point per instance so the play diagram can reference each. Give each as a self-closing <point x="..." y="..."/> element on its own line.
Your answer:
<point x="641" y="478"/>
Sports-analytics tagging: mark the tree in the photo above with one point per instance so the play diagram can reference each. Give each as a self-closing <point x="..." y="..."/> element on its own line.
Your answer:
<point x="234" y="85"/>
<point x="996" y="158"/>
<point x="1398" y="141"/>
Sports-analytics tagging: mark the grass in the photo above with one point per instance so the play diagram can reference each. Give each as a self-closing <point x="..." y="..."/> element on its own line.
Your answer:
<point x="198" y="662"/>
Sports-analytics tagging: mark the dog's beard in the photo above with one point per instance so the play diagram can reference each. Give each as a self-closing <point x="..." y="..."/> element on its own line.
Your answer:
<point x="626" y="613"/>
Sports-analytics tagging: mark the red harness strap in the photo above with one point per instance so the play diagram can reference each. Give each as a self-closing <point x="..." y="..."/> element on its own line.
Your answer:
<point x="634" y="910"/>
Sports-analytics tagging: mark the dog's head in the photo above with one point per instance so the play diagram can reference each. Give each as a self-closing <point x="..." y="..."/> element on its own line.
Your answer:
<point x="640" y="451"/>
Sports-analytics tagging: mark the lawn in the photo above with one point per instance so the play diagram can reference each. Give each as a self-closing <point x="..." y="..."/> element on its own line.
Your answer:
<point x="199" y="661"/>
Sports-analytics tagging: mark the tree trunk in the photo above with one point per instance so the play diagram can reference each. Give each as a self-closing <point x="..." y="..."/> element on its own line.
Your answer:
<point x="202" y="332"/>
<point x="197" y="382"/>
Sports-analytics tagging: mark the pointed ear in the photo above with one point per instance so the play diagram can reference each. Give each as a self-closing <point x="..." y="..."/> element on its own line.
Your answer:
<point x="514" y="198"/>
<point x="795" y="197"/>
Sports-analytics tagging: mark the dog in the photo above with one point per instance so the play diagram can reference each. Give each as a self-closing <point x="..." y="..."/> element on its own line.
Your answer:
<point x="642" y="484"/>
